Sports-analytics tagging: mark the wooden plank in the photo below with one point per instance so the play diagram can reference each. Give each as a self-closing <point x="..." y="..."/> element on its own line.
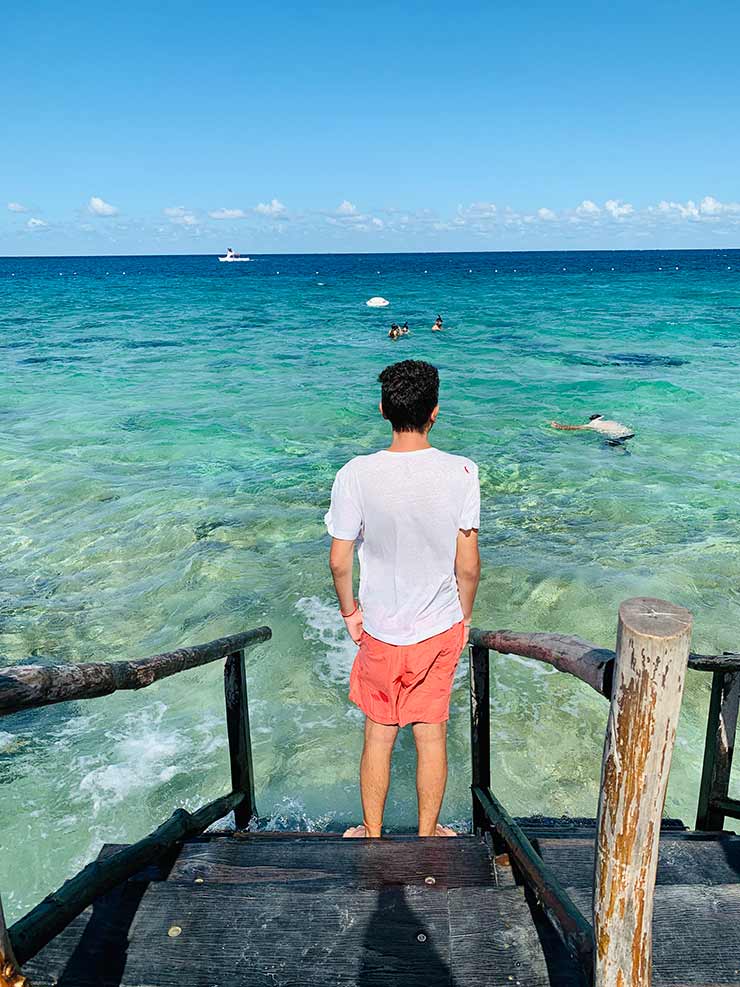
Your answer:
<point x="363" y="864"/>
<point x="696" y="935"/>
<point x="237" y="935"/>
<point x="679" y="861"/>
<point x="496" y="942"/>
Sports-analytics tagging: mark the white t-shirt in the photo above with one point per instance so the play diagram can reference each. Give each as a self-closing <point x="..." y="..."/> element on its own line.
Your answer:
<point x="615" y="430"/>
<point x="406" y="508"/>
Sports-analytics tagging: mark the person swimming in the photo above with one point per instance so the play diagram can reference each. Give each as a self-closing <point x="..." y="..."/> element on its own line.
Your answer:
<point x="395" y="331"/>
<point x="404" y="329"/>
<point x="438" y="326"/>
<point x="614" y="432"/>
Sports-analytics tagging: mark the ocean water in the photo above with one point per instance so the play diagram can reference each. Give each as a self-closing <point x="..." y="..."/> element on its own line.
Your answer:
<point x="170" y="428"/>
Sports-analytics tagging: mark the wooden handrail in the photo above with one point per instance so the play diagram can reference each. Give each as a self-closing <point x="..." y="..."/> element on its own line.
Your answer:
<point x="550" y="893"/>
<point x="32" y="932"/>
<point x="586" y="661"/>
<point x="30" y="686"/>
<point x="653" y="640"/>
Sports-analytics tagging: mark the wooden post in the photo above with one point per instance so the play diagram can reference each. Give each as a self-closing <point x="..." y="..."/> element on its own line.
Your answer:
<point x="718" y="749"/>
<point x="480" y="728"/>
<point x="10" y="975"/>
<point x="650" y="668"/>
<point x="240" y="744"/>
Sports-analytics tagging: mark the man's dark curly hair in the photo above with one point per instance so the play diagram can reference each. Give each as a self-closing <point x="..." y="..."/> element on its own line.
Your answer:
<point x="410" y="390"/>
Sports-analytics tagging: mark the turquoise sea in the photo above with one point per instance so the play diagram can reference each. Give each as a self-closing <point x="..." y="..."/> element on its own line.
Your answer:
<point x="169" y="431"/>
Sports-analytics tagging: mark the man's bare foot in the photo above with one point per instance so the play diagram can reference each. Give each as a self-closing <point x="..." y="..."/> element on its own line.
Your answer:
<point x="355" y="831"/>
<point x="444" y="831"/>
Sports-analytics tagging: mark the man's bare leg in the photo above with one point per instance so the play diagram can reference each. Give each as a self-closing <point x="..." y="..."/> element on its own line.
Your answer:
<point x="431" y="776"/>
<point x="375" y="776"/>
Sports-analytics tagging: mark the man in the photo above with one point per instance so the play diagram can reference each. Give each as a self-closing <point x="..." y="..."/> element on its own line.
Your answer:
<point x="414" y="512"/>
<point x="615" y="432"/>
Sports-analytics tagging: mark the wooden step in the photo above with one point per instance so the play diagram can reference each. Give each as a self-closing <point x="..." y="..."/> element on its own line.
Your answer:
<point x="696" y="861"/>
<point x="277" y="935"/>
<point x="696" y="934"/>
<point x="362" y="864"/>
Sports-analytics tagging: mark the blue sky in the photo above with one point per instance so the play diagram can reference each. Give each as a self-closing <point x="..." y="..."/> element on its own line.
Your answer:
<point x="187" y="127"/>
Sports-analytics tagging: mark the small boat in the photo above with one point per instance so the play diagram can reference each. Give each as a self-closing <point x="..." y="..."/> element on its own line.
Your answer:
<point x="231" y="256"/>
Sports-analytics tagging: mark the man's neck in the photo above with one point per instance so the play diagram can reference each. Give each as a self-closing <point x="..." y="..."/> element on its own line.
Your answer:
<point x="409" y="442"/>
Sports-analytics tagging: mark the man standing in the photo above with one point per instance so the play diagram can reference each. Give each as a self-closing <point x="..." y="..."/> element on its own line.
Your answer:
<point x="413" y="512"/>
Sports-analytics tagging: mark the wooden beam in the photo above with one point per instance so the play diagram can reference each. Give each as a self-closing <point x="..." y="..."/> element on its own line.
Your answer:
<point x="240" y="742"/>
<point x="32" y="932"/>
<point x="550" y="893"/>
<point x="724" y="704"/>
<point x="29" y="686"/>
<point x="10" y="975"/>
<point x="729" y="807"/>
<point x="480" y="728"/>
<point x="652" y="653"/>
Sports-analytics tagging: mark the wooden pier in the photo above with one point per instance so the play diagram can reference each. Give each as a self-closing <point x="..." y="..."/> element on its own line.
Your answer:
<point x="620" y="900"/>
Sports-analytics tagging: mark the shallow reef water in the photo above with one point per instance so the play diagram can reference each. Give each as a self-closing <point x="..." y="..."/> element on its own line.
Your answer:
<point x="169" y="439"/>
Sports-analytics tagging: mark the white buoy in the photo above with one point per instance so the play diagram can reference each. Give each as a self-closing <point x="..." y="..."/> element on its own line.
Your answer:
<point x="377" y="302"/>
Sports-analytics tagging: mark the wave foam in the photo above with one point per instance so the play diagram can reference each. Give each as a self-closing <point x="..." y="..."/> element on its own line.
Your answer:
<point x="325" y="626"/>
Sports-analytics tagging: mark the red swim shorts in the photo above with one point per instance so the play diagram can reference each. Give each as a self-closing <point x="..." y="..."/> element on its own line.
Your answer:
<point x="408" y="683"/>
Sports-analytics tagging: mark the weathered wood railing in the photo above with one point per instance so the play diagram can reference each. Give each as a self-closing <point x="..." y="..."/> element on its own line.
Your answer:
<point x="644" y="680"/>
<point x="30" y="686"/>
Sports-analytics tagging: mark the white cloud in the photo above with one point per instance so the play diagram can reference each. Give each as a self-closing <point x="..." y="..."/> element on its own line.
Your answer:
<point x="347" y="208"/>
<point x="16" y="207"/>
<point x="36" y="224"/>
<point x="227" y="214"/>
<point x="180" y="215"/>
<point x="617" y="209"/>
<point x="546" y="214"/>
<point x="99" y="207"/>
<point x="588" y="208"/>
<point x="272" y="208"/>
<point x="477" y="210"/>
<point x="710" y="206"/>
<point x="378" y="223"/>
<point x="686" y="210"/>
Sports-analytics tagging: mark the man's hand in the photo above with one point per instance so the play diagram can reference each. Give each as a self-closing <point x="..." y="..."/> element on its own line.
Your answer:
<point x="353" y="623"/>
<point x="466" y="637"/>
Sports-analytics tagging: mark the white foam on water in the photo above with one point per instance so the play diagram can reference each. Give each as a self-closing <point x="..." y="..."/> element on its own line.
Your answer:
<point x="145" y="754"/>
<point x="290" y="815"/>
<point x="325" y="626"/>
<point x="7" y="741"/>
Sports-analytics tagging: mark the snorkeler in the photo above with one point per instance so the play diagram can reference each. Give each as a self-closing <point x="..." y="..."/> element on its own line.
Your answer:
<point x="614" y="432"/>
<point x="404" y="329"/>
<point x="395" y="331"/>
<point x="438" y="327"/>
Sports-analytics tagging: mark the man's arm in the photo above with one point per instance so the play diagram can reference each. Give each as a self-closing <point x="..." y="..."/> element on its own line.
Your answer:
<point x="568" y="428"/>
<point x="467" y="571"/>
<point x="341" y="560"/>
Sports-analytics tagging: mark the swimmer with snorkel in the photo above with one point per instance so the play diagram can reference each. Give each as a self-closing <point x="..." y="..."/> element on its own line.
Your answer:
<point x="615" y="433"/>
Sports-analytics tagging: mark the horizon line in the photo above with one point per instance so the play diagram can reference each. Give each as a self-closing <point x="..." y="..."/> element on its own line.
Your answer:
<point x="380" y="253"/>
